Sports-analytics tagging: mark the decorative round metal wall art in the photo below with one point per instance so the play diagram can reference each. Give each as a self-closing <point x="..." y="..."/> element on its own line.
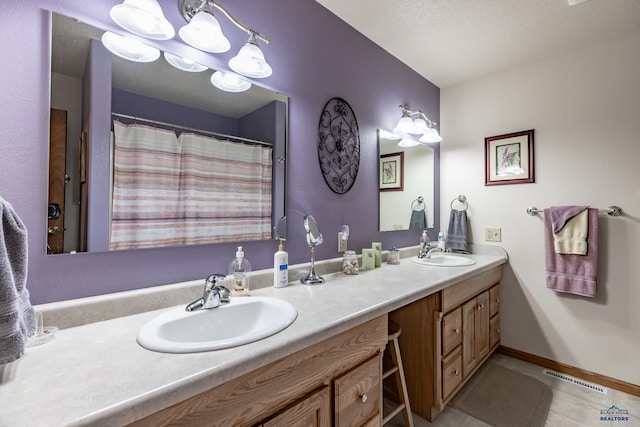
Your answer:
<point x="338" y="145"/>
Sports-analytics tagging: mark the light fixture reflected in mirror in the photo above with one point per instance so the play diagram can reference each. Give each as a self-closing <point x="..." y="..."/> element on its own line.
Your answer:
<point x="143" y="18"/>
<point x="128" y="48"/>
<point x="229" y="82"/>
<point x="407" y="142"/>
<point x="184" y="64"/>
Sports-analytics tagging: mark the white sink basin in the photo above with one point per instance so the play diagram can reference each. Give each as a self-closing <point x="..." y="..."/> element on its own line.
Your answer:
<point x="444" y="260"/>
<point x="243" y="320"/>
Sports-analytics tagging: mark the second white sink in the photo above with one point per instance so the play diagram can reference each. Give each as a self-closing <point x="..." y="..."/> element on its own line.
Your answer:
<point x="243" y="320"/>
<point x="444" y="260"/>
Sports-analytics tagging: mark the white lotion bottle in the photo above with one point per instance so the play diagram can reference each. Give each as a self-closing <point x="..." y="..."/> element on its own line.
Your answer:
<point x="280" y="267"/>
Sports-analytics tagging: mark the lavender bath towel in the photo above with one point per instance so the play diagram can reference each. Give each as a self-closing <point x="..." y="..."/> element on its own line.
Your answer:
<point x="572" y="273"/>
<point x="17" y="318"/>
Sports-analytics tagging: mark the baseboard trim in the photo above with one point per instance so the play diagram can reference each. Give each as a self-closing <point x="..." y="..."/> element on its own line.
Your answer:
<point x="603" y="380"/>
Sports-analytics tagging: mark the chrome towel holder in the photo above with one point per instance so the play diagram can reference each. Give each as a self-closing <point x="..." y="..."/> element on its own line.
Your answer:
<point x="462" y="199"/>
<point x="611" y="211"/>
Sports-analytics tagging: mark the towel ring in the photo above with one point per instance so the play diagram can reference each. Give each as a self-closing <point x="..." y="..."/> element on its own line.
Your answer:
<point x="419" y="200"/>
<point x="462" y="199"/>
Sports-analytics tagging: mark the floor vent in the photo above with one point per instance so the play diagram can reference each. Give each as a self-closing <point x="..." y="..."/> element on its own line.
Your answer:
<point x="576" y="381"/>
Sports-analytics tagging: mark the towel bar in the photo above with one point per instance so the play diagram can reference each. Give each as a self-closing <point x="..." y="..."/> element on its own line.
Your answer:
<point x="611" y="211"/>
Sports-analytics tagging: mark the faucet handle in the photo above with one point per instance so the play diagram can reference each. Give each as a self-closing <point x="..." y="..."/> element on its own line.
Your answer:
<point x="212" y="281"/>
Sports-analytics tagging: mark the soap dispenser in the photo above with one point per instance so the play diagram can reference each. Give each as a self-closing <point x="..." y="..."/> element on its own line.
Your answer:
<point x="240" y="269"/>
<point x="280" y="267"/>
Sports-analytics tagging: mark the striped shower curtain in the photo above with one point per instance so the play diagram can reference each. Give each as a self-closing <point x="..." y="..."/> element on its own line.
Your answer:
<point x="187" y="190"/>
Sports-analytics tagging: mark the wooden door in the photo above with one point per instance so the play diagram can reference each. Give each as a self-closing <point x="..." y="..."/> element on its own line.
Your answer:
<point x="57" y="180"/>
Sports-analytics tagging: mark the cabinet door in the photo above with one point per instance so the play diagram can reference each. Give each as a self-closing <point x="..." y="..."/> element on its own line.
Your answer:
<point x="475" y="327"/>
<point x="469" y="352"/>
<point x="494" y="300"/>
<point x="494" y="333"/>
<point x="358" y="394"/>
<point x="482" y="325"/>
<point x="313" y="411"/>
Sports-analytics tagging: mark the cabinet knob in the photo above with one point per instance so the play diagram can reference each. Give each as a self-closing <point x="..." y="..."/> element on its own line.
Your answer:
<point x="456" y="372"/>
<point x="497" y="299"/>
<point x="364" y="398"/>
<point x="498" y="330"/>
<point x="480" y="306"/>
<point x="456" y="330"/>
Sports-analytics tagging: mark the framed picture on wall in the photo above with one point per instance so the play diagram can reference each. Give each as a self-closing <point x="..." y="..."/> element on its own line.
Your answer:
<point x="392" y="171"/>
<point x="509" y="158"/>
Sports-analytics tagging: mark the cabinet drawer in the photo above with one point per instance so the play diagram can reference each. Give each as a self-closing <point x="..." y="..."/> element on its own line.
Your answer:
<point x="358" y="394"/>
<point x="457" y="294"/>
<point x="494" y="330"/>
<point x="494" y="300"/>
<point x="451" y="372"/>
<point x="451" y="330"/>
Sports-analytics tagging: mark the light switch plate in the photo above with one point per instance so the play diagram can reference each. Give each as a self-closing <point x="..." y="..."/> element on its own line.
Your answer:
<point x="493" y="234"/>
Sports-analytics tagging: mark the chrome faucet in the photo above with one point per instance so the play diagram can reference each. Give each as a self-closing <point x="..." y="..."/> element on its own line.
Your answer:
<point x="214" y="294"/>
<point x="428" y="248"/>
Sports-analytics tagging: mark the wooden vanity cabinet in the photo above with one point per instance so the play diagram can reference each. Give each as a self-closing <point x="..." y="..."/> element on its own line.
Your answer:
<point x="334" y="382"/>
<point x="446" y="337"/>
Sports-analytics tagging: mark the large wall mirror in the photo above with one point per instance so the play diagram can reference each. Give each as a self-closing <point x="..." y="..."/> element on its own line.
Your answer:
<point x="406" y="185"/>
<point x="99" y="102"/>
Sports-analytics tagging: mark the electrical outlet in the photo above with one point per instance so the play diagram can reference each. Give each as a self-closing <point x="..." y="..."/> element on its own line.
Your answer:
<point x="493" y="234"/>
<point x="342" y="243"/>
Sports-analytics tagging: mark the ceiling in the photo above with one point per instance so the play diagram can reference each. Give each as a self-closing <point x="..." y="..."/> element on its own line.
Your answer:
<point x="450" y="41"/>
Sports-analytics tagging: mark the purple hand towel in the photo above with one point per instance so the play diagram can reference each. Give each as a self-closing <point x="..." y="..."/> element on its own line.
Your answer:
<point x="571" y="273"/>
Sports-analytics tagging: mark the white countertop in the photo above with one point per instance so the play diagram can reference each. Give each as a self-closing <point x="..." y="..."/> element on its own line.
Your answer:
<point x="97" y="374"/>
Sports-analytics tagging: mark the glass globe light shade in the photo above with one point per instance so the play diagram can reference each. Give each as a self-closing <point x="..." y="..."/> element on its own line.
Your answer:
<point x="203" y="32"/>
<point x="406" y="142"/>
<point x="430" y="136"/>
<point x="250" y="61"/>
<point x="184" y="64"/>
<point x="229" y="82"/>
<point x="405" y="125"/>
<point x="143" y="18"/>
<point x="128" y="48"/>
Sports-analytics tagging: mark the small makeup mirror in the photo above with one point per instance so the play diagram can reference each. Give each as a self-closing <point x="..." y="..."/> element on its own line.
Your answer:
<point x="314" y="238"/>
<point x="280" y="230"/>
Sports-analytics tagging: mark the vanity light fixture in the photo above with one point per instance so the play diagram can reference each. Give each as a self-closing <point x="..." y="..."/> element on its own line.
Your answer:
<point x="249" y="62"/>
<point x="420" y="125"/>
<point x="143" y="18"/>
<point x="184" y="64"/>
<point x="128" y="48"/>
<point x="229" y="82"/>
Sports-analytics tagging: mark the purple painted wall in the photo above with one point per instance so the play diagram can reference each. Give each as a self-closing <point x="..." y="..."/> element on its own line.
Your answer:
<point x="315" y="56"/>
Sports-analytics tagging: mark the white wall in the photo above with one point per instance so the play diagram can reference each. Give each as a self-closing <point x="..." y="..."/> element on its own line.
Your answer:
<point x="585" y="108"/>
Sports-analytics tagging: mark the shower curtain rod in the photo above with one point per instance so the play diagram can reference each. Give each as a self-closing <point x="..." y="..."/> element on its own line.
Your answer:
<point x="206" y="132"/>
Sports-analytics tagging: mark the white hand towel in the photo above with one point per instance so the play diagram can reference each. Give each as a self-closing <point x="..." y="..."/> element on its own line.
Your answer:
<point x="17" y="317"/>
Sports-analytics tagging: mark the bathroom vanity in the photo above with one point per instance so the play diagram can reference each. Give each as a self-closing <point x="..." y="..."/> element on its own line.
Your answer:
<point x="324" y="369"/>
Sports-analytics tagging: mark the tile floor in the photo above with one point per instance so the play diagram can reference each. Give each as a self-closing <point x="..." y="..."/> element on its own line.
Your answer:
<point x="572" y="405"/>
